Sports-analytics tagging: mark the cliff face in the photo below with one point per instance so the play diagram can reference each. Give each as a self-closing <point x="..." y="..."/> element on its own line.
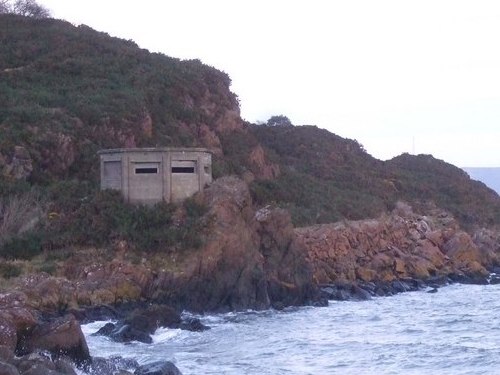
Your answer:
<point x="401" y="245"/>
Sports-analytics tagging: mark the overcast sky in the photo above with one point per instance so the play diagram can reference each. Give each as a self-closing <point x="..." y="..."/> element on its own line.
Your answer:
<point x="398" y="76"/>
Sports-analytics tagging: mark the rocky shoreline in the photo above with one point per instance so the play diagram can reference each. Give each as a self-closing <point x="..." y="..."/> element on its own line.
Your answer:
<point x="251" y="258"/>
<point x="34" y="342"/>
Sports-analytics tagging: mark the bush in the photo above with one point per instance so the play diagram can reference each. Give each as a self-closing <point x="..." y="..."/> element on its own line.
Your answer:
<point x="25" y="247"/>
<point x="104" y="218"/>
<point x="8" y="270"/>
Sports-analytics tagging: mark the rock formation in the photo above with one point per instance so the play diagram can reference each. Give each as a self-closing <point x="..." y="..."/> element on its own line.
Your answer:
<point x="402" y="245"/>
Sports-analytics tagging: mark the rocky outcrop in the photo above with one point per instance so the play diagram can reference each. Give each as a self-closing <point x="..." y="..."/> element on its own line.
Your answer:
<point x="399" y="246"/>
<point x="237" y="265"/>
<point x="26" y="334"/>
<point x="60" y="337"/>
<point x="288" y="276"/>
<point x="260" y="166"/>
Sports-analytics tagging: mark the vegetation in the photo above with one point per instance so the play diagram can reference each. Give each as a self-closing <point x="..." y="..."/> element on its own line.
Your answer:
<point x="28" y="8"/>
<point x="68" y="91"/>
<point x="326" y="177"/>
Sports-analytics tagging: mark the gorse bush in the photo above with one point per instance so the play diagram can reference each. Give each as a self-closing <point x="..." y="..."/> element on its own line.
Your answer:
<point x="104" y="218"/>
<point x="25" y="246"/>
<point x="9" y="270"/>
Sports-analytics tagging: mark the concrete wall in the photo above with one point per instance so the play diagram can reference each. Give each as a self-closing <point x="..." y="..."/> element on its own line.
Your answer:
<point x="149" y="176"/>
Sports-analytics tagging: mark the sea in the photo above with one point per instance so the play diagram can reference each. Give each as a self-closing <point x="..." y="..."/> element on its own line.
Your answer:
<point x="454" y="331"/>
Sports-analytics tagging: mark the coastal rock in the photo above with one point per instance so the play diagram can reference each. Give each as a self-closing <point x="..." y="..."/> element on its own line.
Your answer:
<point x="393" y="248"/>
<point x="16" y="318"/>
<point x="110" y="366"/>
<point x="289" y="276"/>
<point x="143" y="322"/>
<point x="248" y="260"/>
<point x="158" y="368"/>
<point x="8" y="369"/>
<point x="61" y="337"/>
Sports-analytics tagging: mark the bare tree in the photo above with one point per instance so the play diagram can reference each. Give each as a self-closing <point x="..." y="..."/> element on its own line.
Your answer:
<point x="4" y="7"/>
<point x="30" y="8"/>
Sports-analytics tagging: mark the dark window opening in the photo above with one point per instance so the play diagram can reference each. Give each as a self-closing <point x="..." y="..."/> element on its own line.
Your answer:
<point x="182" y="169"/>
<point x="146" y="170"/>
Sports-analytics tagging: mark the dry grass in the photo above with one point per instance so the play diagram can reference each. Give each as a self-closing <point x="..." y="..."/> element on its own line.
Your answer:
<point x="19" y="214"/>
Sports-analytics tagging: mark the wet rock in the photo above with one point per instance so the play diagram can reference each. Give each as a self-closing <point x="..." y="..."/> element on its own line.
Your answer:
<point x="111" y="366"/>
<point x="8" y="369"/>
<point x="153" y="317"/>
<point x="61" y="337"/>
<point x="16" y="318"/>
<point x="127" y="333"/>
<point x="494" y="279"/>
<point x="6" y="354"/>
<point x="158" y="368"/>
<point x="360" y="294"/>
<point x="193" y="325"/>
<point x="433" y="290"/>
<point x="142" y="322"/>
<point x="468" y="279"/>
<point x="64" y="366"/>
<point x="94" y="313"/>
<point x="105" y="330"/>
<point x="399" y="286"/>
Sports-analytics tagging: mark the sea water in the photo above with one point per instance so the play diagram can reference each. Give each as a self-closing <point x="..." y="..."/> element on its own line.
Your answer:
<point x="454" y="331"/>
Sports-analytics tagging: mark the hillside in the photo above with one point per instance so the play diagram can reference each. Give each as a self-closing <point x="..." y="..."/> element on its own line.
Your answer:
<point x="327" y="178"/>
<point x="67" y="91"/>
<point x="489" y="176"/>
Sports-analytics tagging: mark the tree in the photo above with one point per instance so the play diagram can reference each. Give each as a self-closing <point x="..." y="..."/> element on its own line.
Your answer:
<point x="28" y="8"/>
<point x="279" y="120"/>
<point x="4" y="7"/>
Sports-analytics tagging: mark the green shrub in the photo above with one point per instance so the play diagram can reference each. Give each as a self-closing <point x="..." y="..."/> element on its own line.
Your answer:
<point x="103" y="218"/>
<point x="25" y="246"/>
<point x="9" y="270"/>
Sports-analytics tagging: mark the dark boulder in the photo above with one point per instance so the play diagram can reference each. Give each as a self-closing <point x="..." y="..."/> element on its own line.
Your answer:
<point x="61" y="337"/>
<point x="192" y="324"/>
<point x="360" y="294"/>
<point x="8" y="369"/>
<point x="94" y="313"/>
<point x="141" y="323"/>
<point x="6" y="354"/>
<point x="64" y="366"/>
<point x="127" y="333"/>
<point x="152" y="318"/>
<point x="158" y="368"/>
<point x="105" y="330"/>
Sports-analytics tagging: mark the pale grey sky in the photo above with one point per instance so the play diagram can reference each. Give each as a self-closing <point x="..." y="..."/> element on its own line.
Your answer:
<point x="397" y="75"/>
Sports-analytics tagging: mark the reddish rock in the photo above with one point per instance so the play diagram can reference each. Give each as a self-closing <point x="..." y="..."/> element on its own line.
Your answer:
<point x="15" y="318"/>
<point x="397" y="246"/>
<point x="61" y="337"/>
<point x="261" y="167"/>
